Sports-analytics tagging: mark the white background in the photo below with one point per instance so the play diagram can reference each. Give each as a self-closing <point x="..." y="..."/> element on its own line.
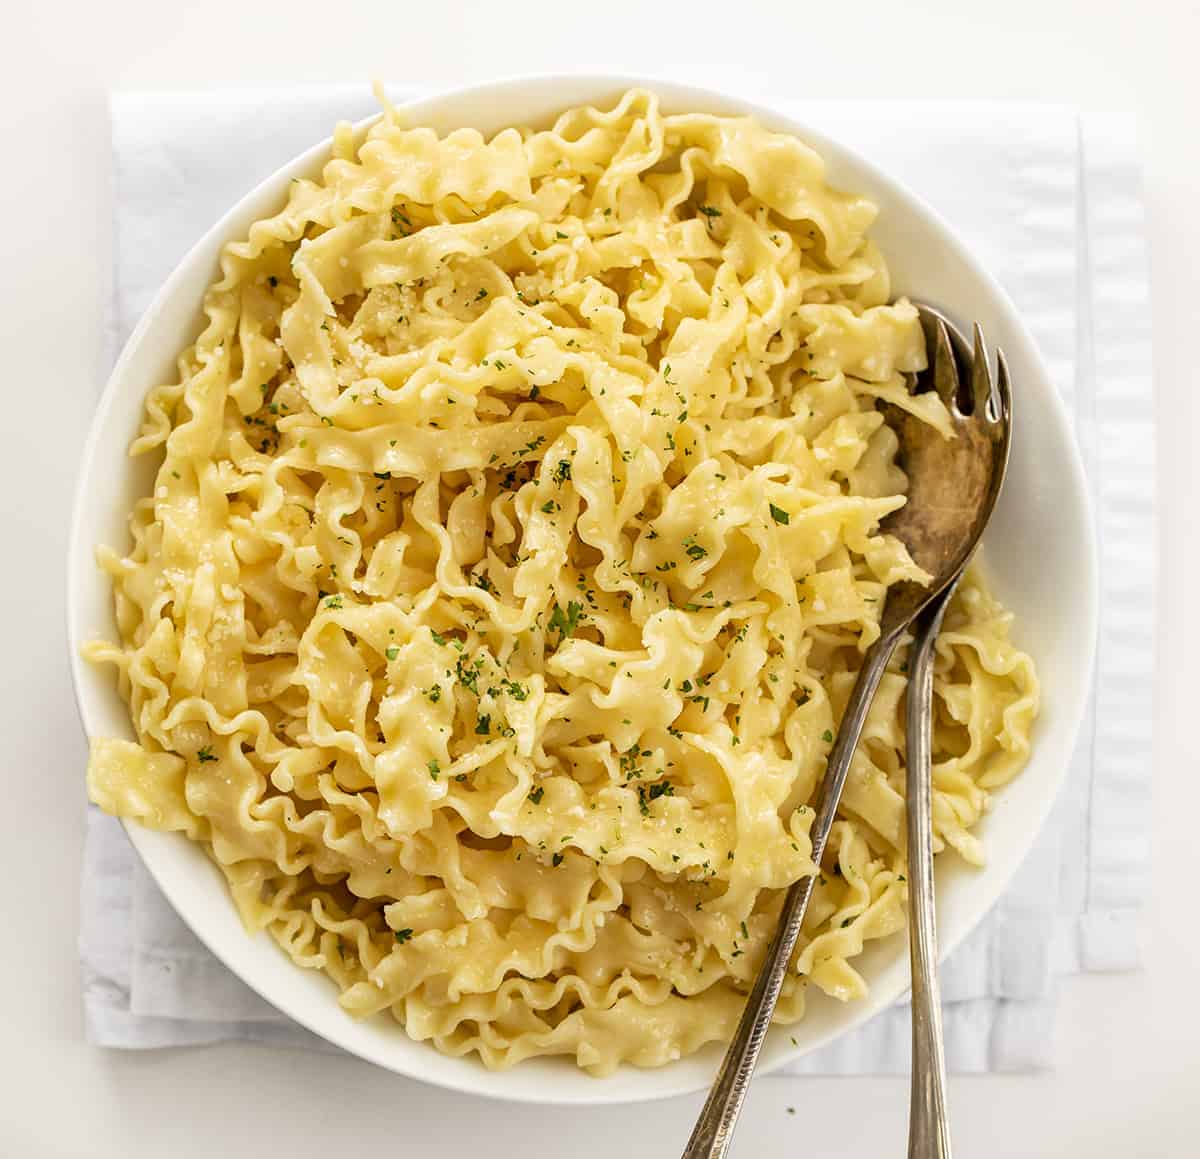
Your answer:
<point x="1127" y="1077"/>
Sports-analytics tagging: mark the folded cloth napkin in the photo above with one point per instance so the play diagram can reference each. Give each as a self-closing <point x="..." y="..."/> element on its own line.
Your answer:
<point x="1050" y="201"/>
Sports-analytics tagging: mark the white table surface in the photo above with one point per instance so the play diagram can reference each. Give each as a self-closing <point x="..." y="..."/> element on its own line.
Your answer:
<point x="1126" y="1081"/>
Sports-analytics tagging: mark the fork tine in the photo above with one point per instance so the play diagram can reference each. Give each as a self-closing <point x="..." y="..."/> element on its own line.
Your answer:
<point x="945" y="367"/>
<point x="982" y="391"/>
<point x="1003" y="389"/>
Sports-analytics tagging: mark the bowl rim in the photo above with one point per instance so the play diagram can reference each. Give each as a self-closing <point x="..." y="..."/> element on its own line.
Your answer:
<point x="81" y="546"/>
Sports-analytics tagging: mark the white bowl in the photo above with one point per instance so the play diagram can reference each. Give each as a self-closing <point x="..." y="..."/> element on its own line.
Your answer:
<point x="1039" y="547"/>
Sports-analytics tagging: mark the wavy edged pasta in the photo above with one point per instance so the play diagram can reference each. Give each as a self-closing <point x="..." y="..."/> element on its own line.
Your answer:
<point x="515" y="544"/>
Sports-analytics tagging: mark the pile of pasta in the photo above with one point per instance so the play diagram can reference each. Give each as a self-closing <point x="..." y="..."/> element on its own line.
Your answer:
<point x="515" y="544"/>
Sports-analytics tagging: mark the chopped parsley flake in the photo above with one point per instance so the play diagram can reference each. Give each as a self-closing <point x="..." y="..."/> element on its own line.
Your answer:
<point x="779" y="515"/>
<point x="468" y="675"/>
<point x="403" y="935"/>
<point x="206" y="754"/>
<point x="566" y="623"/>
<point x="646" y="794"/>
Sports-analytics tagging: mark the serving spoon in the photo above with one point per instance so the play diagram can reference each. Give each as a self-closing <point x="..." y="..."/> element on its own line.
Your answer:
<point x="953" y="487"/>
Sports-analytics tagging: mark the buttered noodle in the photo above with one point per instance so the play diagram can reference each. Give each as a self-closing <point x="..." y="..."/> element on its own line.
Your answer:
<point x="514" y="548"/>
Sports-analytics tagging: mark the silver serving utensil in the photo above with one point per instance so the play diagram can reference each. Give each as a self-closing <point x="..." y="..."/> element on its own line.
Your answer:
<point x="928" y="1121"/>
<point x="953" y="486"/>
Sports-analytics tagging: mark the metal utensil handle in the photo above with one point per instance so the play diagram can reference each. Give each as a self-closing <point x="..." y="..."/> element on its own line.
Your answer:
<point x="714" y="1128"/>
<point x="928" y="1123"/>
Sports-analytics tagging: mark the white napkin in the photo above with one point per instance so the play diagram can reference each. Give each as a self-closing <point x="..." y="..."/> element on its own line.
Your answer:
<point x="1050" y="201"/>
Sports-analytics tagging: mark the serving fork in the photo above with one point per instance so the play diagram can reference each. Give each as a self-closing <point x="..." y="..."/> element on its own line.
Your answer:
<point x="928" y="1122"/>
